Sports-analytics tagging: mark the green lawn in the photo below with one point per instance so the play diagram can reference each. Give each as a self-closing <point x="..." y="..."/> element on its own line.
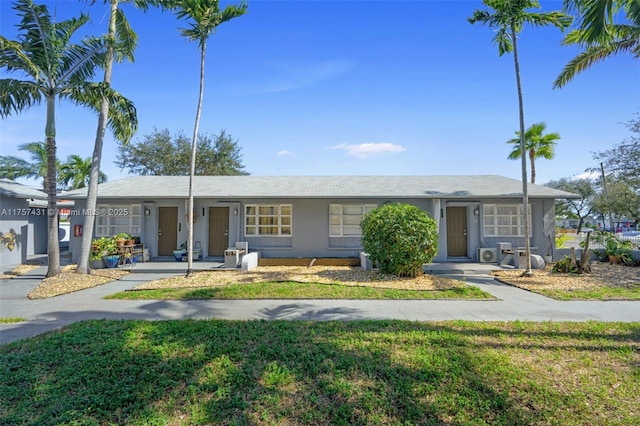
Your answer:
<point x="342" y="373"/>
<point x="11" y="320"/>
<point x="296" y="290"/>
<point x="599" y="293"/>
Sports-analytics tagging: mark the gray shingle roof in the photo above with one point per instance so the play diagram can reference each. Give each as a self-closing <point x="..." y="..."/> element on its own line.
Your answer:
<point x="14" y="189"/>
<point x="236" y="187"/>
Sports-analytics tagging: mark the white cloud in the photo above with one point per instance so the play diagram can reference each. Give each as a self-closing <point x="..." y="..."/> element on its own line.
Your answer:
<point x="366" y="150"/>
<point x="284" y="152"/>
<point x="587" y="175"/>
<point x="285" y="77"/>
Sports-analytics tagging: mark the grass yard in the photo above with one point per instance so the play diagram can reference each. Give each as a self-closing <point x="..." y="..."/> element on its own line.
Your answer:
<point x="11" y="320"/>
<point x="339" y="373"/>
<point x="297" y="290"/>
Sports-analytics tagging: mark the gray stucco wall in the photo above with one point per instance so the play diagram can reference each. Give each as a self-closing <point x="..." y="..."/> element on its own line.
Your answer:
<point x="310" y="226"/>
<point x="538" y="240"/>
<point x="30" y="226"/>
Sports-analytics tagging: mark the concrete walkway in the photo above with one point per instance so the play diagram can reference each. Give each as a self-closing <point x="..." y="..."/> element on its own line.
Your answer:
<point x="513" y="304"/>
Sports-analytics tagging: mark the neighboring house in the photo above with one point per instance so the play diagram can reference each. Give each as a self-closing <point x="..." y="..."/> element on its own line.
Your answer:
<point x="22" y="223"/>
<point x="315" y="216"/>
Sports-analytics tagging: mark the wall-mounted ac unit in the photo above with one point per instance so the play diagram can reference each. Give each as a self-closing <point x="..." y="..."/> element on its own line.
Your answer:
<point x="487" y="255"/>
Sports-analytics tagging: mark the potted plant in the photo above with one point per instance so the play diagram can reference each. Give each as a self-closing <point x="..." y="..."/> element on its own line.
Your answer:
<point x="616" y="250"/>
<point x="111" y="253"/>
<point x="180" y="252"/>
<point x="99" y="248"/>
<point x="121" y="238"/>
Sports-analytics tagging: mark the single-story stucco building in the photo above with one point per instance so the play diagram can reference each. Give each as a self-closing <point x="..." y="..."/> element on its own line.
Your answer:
<point x="316" y="216"/>
<point x="23" y="223"/>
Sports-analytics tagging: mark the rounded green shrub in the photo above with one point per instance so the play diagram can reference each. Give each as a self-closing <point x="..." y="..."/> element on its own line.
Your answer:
<point x="399" y="238"/>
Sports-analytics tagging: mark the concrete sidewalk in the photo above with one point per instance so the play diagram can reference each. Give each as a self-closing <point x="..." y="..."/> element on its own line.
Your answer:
<point x="513" y="304"/>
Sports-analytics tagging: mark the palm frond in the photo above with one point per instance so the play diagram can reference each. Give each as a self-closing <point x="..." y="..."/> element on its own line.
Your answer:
<point x="123" y="118"/>
<point x="13" y="58"/>
<point x="15" y="167"/>
<point x="37" y="27"/>
<point x="557" y="19"/>
<point x="589" y="57"/>
<point x="126" y="38"/>
<point x="81" y="60"/>
<point x="594" y="17"/>
<point x="18" y="95"/>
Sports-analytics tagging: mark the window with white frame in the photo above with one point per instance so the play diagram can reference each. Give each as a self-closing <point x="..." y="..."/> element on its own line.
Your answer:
<point x="113" y="219"/>
<point x="272" y="220"/>
<point x="344" y="219"/>
<point x="504" y="220"/>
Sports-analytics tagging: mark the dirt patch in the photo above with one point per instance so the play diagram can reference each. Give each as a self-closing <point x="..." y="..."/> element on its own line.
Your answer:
<point x="602" y="275"/>
<point x="345" y="275"/>
<point x="68" y="281"/>
<point x="21" y="270"/>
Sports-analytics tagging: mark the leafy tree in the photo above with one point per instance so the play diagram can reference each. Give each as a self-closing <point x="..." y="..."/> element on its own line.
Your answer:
<point x="623" y="160"/>
<point x="161" y="154"/>
<point x="76" y="172"/>
<point x="621" y="200"/>
<point x="537" y="144"/>
<point x="582" y="207"/>
<point x="599" y="35"/>
<point x="53" y="68"/>
<point x="400" y="239"/>
<point x="12" y="167"/>
<point x="509" y="17"/>
<point x="204" y="17"/>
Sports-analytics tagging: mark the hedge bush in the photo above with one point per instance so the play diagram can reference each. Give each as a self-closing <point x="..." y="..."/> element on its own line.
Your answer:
<point x="399" y="238"/>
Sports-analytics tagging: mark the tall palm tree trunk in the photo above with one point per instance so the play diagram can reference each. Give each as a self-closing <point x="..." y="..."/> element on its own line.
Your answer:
<point x="53" y="246"/>
<point x="532" y="160"/>
<point x="525" y="193"/>
<point x="194" y="146"/>
<point x="94" y="177"/>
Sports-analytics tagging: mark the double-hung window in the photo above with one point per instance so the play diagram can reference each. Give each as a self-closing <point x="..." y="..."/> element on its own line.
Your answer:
<point x="504" y="220"/>
<point x="113" y="219"/>
<point x="344" y="219"/>
<point x="272" y="220"/>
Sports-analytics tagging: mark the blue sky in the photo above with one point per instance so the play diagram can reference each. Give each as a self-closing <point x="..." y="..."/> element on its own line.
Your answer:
<point x="351" y="88"/>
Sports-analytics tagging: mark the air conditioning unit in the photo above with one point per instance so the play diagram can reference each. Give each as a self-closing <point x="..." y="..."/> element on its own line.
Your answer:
<point x="487" y="255"/>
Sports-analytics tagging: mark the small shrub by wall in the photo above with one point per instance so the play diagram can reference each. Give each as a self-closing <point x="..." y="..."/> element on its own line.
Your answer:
<point x="399" y="238"/>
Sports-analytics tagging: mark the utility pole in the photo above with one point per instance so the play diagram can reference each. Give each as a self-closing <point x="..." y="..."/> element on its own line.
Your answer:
<point x="606" y="197"/>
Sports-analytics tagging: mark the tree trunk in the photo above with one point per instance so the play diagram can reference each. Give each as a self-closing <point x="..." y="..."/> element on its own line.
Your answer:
<point x="525" y="194"/>
<point x="584" y="267"/>
<point x="532" y="160"/>
<point x="53" y="245"/>
<point x="194" y="145"/>
<point x="94" y="177"/>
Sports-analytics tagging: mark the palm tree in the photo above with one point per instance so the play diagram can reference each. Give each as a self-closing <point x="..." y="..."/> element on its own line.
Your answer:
<point x="121" y="42"/>
<point x="75" y="172"/>
<point x="205" y="16"/>
<point x="537" y="144"/>
<point x="509" y="17"/>
<point x="599" y="35"/>
<point x="13" y="167"/>
<point x="53" y="69"/>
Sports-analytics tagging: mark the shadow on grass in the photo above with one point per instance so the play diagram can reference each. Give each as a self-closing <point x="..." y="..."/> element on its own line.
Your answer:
<point x="284" y="372"/>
